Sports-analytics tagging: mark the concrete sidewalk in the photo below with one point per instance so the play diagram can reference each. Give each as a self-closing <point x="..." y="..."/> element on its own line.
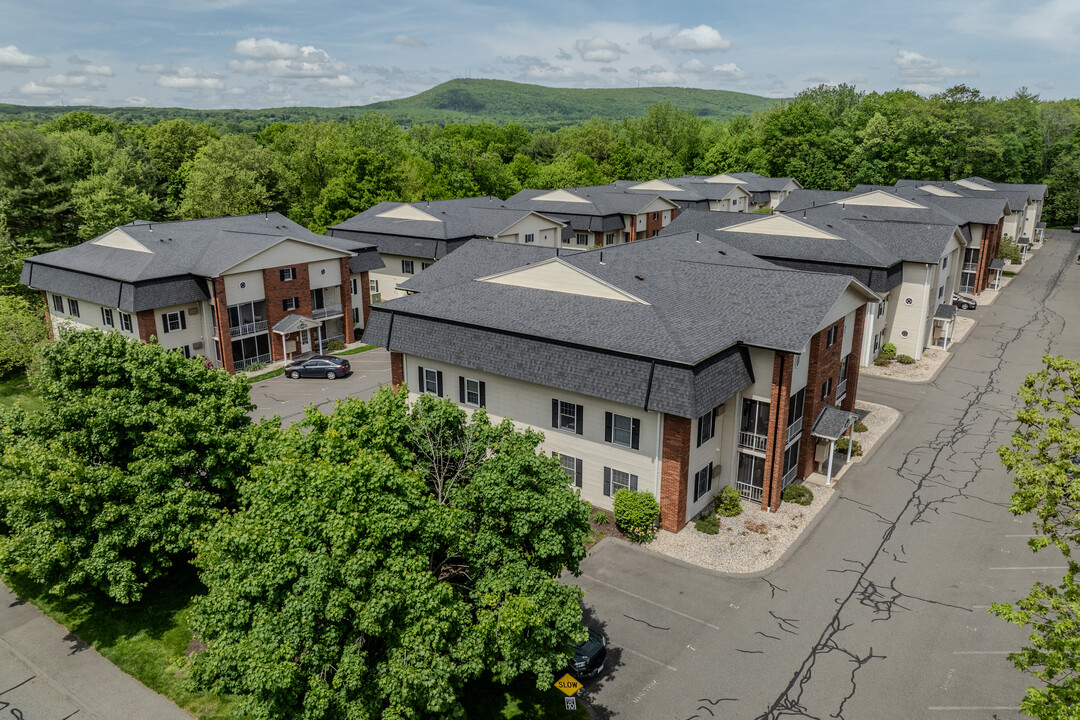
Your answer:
<point x="46" y="673"/>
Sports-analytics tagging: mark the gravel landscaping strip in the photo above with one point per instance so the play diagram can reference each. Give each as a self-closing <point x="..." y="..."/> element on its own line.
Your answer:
<point x="924" y="369"/>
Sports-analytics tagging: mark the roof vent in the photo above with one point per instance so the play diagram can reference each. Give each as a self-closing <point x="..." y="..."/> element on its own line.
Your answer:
<point x="640" y="277"/>
<point x="150" y="227"/>
<point x="722" y="252"/>
<point x="601" y="257"/>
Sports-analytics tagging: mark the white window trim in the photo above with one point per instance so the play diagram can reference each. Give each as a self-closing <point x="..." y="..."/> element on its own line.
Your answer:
<point x="431" y="381"/>
<point x="468" y="392"/>
<point x="573" y="413"/>
<point x="629" y="430"/>
<point x="615" y="487"/>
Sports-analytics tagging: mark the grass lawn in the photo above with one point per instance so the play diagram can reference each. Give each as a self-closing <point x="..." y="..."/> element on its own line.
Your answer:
<point x="520" y="699"/>
<point x="267" y="375"/>
<point x="14" y="389"/>
<point x="355" y="350"/>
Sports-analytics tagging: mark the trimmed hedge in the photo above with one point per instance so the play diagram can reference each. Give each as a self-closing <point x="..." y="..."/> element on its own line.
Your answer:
<point x="728" y="502"/>
<point x="709" y="525"/>
<point x="905" y="359"/>
<point x="636" y="512"/>
<point x="798" y="494"/>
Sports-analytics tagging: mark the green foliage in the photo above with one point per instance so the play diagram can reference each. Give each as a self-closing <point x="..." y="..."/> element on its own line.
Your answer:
<point x="600" y="517"/>
<point x="882" y="360"/>
<point x="1044" y="458"/>
<point x="708" y="524"/>
<point x="384" y="556"/>
<point x="233" y="176"/>
<point x="798" y="494"/>
<point x="1009" y="250"/>
<point x="860" y="426"/>
<point x="636" y="512"/>
<point x="905" y="359"/>
<point x="729" y="502"/>
<point x="856" y="448"/>
<point x="34" y="193"/>
<point x="22" y="330"/>
<point x="335" y="345"/>
<point x="133" y="456"/>
<point x="888" y="350"/>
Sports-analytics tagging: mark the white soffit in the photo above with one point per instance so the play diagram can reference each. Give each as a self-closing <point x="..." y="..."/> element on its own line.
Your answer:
<point x="779" y="225"/>
<point x="120" y="240"/>
<point x="561" y="196"/>
<point x="558" y="276"/>
<point x="408" y="212"/>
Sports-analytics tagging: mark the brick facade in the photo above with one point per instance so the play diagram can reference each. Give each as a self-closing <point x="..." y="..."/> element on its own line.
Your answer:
<point x="275" y="290"/>
<point x="365" y="296"/>
<point x="221" y="317"/>
<point x="147" y="325"/>
<point x="853" y="363"/>
<point x="346" y="302"/>
<point x="397" y="369"/>
<point x="651" y="225"/>
<point x="674" y="472"/>
<point x="779" y="400"/>
<point x="824" y="366"/>
<point x="989" y="245"/>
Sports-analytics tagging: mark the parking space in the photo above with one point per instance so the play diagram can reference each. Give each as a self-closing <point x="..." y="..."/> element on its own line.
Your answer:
<point x="287" y="397"/>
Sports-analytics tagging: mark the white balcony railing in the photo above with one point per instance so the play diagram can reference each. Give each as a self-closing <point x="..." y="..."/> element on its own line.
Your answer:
<point x="326" y="311"/>
<point x="748" y="491"/>
<point x="247" y="328"/>
<point x="794" y="430"/>
<point x="244" y="364"/>
<point x="841" y="389"/>
<point x="753" y="441"/>
<point x="789" y="476"/>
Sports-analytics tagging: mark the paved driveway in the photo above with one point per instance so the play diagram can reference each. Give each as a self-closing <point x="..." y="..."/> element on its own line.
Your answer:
<point x="288" y="398"/>
<point x="882" y="612"/>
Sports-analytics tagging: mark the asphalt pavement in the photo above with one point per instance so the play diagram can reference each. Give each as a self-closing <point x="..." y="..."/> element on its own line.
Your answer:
<point x="882" y="612"/>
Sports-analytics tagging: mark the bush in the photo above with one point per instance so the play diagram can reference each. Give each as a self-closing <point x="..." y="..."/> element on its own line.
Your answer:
<point x="335" y="345"/>
<point x="255" y="367"/>
<point x="856" y="448"/>
<point x="905" y="359"/>
<point x="1009" y="250"/>
<point x="600" y="517"/>
<point x="709" y="525"/>
<point x="881" y="360"/>
<point x="636" y="512"/>
<point x="860" y="426"/>
<point x="888" y="350"/>
<point x="728" y="503"/>
<point x="798" y="494"/>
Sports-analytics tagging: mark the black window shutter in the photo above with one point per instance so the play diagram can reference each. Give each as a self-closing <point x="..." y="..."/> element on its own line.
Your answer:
<point x="421" y="388"/>
<point x="164" y="323"/>
<point x="635" y="433"/>
<point x="712" y="428"/>
<point x="697" y="485"/>
<point x="700" y="431"/>
<point x="461" y="388"/>
<point x="708" y="486"/>
<point x="554" y="413"/>
<point x="607" y="427"/>
<point x="580" y="420"/>
<point x="438" y="383"/>
<point x="577" y="473"/>
<point x="483" y="394"/>
<point x="633" y="483"/>
<point x="183" y="322"/>
<point x="607" y="481"/>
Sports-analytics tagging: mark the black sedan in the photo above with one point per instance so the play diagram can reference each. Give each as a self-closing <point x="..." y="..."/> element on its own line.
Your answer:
<point x="319" y="366"/>
<point x="964" y="303"/>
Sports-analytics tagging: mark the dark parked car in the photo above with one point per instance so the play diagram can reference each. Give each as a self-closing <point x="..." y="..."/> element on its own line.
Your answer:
<point x="589" y="656"/>
<point x="320" y="366"/>
<point x="964" y="303"/>
<point x="1076" y="228"/>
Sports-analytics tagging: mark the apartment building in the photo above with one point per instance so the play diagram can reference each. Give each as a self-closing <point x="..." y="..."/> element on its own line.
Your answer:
<point x="1025" y="200"/>
<point x="674" y="365"/>
<point x="695" y="192"/>
<point x="411" y="237"/>
<point x="220" y="288"/>
<point x="600" y="215"/>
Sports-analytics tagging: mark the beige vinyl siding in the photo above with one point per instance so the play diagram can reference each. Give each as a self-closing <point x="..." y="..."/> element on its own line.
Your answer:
<point x="252" y="290"/>
<point x="324" y="274"/>
<point x="719" y="451"/>
<point x="391" y="276"/>
<point x="89" y="317"/>
<point x="544" y="232"/>
<point x="287" y="252"/>
<point x="529" y="406"/>
<point x="199" y="328"/>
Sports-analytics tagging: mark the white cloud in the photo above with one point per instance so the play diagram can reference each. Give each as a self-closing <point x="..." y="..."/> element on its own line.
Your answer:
<point x="608" y="69"/>
<point x="725" y="71"/>
<point x="12" y="57"/>
<point x="285" y="60"/>
<point x="919" y="70"/>
<point x="266" y="49"/>
<point x="526" y="61"/>
<point x="102" y="70"/>
<point x="136" y="100"/>
<point x="72" y="80"/>
<point x="598" y="49"/>
<point x="563" y="55"/>
<point x="151" y="68"/>
<point x="403" y="39"/>
<point x="190" y="79"/>
<point x="341" y="81"/>
<point x="235" y="91"/>
<point x="702" y="38"/>
<point x="33" y="88"/>
<point x="552" y="72"/>
<point x="656" y="75"/>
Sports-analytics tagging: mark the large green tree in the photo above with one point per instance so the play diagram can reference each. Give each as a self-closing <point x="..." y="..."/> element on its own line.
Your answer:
<point x="383" y="556"/>
<point x="133" y="457"/>
<point x="35" y="195"/>
<point x="22" y="330"/>
<point x="233" y="175"/>
<point x="1044" y="459"/>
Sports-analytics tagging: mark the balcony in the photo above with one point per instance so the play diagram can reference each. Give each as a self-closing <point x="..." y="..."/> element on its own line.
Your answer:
<point x="841" y="389"/>
<point x="244" y="364"/>
<point x="970" y="267"/>
<point x="325" y="311"/>
<point x="789" y="476"/>
<point x="794" y="430"/>
<point x="753" y="441"/>
<point x="247" y="328"/>
<point x="748" y="491"/>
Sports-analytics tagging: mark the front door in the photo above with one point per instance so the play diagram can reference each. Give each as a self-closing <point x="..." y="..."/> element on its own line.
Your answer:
<point x="305" y="341"/>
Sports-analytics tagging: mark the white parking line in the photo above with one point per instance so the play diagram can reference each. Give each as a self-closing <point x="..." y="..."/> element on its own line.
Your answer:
<point x="1023" y="536"/>
<point x="647" y="600"/>
<point x="646" y="657"/>
<point x="974" y="707"/>
<point x="1040" y="567"/>
<point x="982" y="652"/>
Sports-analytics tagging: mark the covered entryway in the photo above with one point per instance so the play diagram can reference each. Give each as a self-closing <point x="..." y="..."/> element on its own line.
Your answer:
<point x="831" y="425"/>
<point x="944" y="325"/>
<point x="295" y="332"/>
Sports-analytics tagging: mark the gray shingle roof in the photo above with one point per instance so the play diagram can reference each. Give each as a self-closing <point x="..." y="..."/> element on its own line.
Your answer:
<point x="945" y="312"/>
<point x="832" y="422"/>
<point x="997" y="264"/>
<point x="458" y="219"/>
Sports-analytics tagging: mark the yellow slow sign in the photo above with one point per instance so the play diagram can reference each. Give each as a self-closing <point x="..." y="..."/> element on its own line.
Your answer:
<point x="568" y="684"/>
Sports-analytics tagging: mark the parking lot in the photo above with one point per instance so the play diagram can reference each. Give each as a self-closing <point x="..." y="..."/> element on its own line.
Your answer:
<point x="287" y="397"/>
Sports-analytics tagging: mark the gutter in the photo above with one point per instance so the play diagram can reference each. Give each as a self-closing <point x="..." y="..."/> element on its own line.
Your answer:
<point x="922" y="315"/>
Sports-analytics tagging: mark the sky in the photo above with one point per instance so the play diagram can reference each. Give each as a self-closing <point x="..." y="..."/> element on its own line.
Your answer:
<point x="274" y="53"/>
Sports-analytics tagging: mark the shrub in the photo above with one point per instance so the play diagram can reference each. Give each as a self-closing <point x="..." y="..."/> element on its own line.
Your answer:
<point x="798" y="494"/>
<point x="335" y="345"/>
<point x="600" y="517"/>
<point x="709" y="525"/>
<point x="255" y="367"/>
<point x="860" y="426"/>
<point x="856" y="448"/>
<point x="881" y="360"/>
<point x="728" y="503"/>
<point x="1009" y="250"/>
<point x="905" y="359"/>
<point x="636" y="512"/>
<point x="889" y="350"/>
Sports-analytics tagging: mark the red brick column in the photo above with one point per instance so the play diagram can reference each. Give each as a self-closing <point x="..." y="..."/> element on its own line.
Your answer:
<point x="275" y="291"/>
<point x="221" y="316"/>
<point x="853" y="359"/>
<point x="397" y="369"/>
<point x="147" y="325"/>
<point x="346" y="301"/>
<point x="48" y="314"/>
<point x="365" y="294"/>
<point x="674" y="469"/>
<point x="651" y="224"/>
<point x="824" y="364"/>
<point x="779" y="400"/>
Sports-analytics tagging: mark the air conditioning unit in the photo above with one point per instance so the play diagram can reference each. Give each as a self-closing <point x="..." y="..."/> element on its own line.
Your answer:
<point x="193" y="310"/>
<point x="196" y="345"/>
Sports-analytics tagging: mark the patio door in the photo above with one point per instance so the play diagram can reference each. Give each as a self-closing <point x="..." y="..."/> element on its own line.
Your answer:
<point x="305" y="341"/>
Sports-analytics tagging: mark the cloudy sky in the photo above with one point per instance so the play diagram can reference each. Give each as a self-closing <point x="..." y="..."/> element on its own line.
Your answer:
<point x="271" y="53"/>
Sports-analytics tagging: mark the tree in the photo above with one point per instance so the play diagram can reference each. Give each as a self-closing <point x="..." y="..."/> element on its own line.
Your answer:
<point x="133" y="457"/>
<point x="116" y="196"/>
<point x="1044" y="459"/>
<point x="22" y="329"/>
<point x="233" y="175"/>
<point x="34" y="195"/>
<point x="384" y="556"/>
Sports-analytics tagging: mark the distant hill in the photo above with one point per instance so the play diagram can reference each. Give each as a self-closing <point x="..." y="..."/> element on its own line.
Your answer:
<point x="500" y="101"/>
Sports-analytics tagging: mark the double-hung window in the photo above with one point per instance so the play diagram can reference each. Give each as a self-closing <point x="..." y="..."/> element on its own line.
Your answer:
<point x="471" y="392"/>
<point x="58" y="303"/>
<point x="373" y="286"/>
<point x="571" y="466"/>
<point x="173" y="321"/>
<point x="288" y="304"/>
<point x="125" y="322"/>
<point x="425" y="265"/>
<point x="431" y="381"/>
<point x="609" y="239"/>
<point x="826" y="388"/>
<point x="830" y="339"/>
<point x="73" y="307"/>
<point x="582" y="238"/>
<point x="407" y="267"/>
<point x="622" y="430"/>
<point x="706" y="427"/>
<point x="567" y="416"/>
<point x="106" y="317"/>
<point x="615" y="480"/>
<point x="530" y="237"/>
<point x="702" y="481"/>
<point x="842" y="377"/>
<point x="287" y="274"/>
<point x="352" y="285"/>
<point x="881" y="308"/>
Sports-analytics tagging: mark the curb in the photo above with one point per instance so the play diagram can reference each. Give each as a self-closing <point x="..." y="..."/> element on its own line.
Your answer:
<point x="888" y="431"/>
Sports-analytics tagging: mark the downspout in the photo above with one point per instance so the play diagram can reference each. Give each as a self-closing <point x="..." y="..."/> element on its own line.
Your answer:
<point x="867" y="347"/>
<point x="922" y="315"/>
<point x="774" y="433"/>
<point x="656" y="464"/>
